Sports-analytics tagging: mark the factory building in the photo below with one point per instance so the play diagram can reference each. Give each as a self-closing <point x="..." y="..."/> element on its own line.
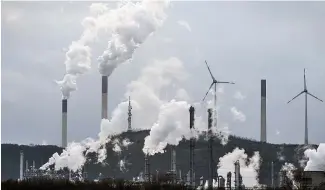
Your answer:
<point x="313" y="179"/>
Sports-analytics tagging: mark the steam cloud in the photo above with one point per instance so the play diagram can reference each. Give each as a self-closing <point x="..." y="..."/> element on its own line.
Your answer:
<point x="78" y="56"/>
<point x="131" y="25"/>
<point x="316" y="158"/>
<point x="238" y="115"/>
<point x="248" y="166"/>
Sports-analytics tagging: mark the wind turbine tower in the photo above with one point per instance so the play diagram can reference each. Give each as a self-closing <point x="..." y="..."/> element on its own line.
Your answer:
<point x="305" y="91"/>
<point x="214" y="83"/>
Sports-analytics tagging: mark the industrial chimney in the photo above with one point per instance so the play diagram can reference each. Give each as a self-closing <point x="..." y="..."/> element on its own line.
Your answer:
<point x="210" y="180"/>
<point x="263" y="110"/>
<point x="173" y="163"/>
<point x="104" y="97"/>
<point x="192" y="145"/>
<point x="21" y="171"/>
<point x="64" y="123"/>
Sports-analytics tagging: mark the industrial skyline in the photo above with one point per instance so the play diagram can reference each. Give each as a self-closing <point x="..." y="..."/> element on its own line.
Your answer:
<point x="277" y="58"/>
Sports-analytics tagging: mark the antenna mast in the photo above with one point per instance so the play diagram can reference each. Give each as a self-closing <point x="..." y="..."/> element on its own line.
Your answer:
<point x="129" y="115"/>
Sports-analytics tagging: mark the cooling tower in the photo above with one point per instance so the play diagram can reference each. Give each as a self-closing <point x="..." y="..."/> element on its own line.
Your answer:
<point x="64" y="123"/>
<point x="21" y="171"/>
<point x="104" y="97"/>
<point x="263" y="110"/>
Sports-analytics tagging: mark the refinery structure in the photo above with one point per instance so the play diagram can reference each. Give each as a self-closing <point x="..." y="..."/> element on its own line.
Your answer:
<point x="232" y="180"/>
<point x="111" y="58"/>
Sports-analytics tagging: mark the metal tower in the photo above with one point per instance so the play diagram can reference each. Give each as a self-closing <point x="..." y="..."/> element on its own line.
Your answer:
<point x="129" y="115"/>
<point x="306" y="93"/>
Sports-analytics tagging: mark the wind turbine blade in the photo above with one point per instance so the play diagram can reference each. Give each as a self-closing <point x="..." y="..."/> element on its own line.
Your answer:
<point x="208" y="91"/>
<point x="314" y="97"/>
<point x="226" y="82"/>
<point x="295" y="97"/>
<point x="210" y="71"/>
<point x="305" y="85"/>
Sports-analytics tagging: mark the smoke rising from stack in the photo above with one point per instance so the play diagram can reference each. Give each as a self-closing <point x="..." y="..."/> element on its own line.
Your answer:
<point x="248" y="166"/>
<point x="64" y="142"/>
<point x="134" y="23"/>
<point x="130" y="24"/>
<point x="316" y="158"/>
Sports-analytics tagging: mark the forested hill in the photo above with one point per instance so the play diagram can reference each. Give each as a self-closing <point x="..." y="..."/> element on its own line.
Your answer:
<point x="10" y="156"/>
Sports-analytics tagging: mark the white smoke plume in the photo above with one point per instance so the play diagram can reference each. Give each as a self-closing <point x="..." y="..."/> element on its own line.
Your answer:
<point x="78" y="55"/>
<point x="316" y="158"/>
<point x="289" y="168"/>
<point x="131" y="24"/>
<point x="239" y="96"/>
<point x="248" y="171"/>
<point x="184" y="24"/>
<point x="122" y="165"/>
<point x="126" y="142"/>
<point x="238" y="115"/>
<point x="172" y="126"/>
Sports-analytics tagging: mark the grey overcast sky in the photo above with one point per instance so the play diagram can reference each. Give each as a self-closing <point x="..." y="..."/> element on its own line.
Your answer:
<point x="243" y="42"/>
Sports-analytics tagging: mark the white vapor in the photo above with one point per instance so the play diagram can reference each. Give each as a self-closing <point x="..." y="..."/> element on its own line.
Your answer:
<point x="78" y="56"/>
<point x="248" y="166"/>
<point x="184" y="24"/>
<point x="172" y="126"/>
<point x="238" y="115"/>
<point x="316" y="158"/>
<point x="130" y="25"/>
<point x="239" y="96"/>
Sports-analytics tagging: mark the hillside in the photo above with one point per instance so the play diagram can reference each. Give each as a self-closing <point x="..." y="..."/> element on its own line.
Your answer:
<point x="133" y="154"/>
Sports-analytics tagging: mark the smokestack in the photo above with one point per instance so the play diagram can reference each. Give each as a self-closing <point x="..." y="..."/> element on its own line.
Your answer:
<point x="210" y="179"/>
<point x="104" y="97"/>
<point x="64" y="123"/>
<point x="237" y="175"/>
<point x="192" y="145"/>
<point x="26" y="165"/>
<point x="21" y="172"/>
<point x="173" y="163"/>
<point x="263" y="110"/>
<point x="146" y="168"/>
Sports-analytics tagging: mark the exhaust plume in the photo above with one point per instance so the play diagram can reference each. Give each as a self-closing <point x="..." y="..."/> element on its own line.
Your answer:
<point x="78" y="56"/>
<point x="248" y="166"/>
<point x="132" y="24"/>
<point x="172" y="126"/>
<point x="316" y="158"/>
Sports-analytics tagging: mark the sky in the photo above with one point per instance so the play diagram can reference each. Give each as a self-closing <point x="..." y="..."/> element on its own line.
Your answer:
<point x="243" y="42"/>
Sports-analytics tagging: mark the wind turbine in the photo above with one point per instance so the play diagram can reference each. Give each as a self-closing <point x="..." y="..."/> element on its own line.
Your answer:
<point x="214" y="83"/>
<point x="306" y="93"/>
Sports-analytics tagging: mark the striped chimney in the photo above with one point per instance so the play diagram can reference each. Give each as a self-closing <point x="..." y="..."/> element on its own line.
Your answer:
<point x="104" y="97"/>
<point x="263" y="110"/>
<point x="64" y="123"/>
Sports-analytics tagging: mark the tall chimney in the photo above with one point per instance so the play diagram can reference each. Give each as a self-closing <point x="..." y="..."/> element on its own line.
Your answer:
<point x="104" y="96"/>
<point x="64" y="123"/>
<point x="263" y="110"/>
<point x="173" y="163"/>
<point x="26" y="165"/>
<point x="211" y="167"/>
<point x="21" y="171"/>
<point x="237" y="175"/>
<point x="192" y="145"/>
